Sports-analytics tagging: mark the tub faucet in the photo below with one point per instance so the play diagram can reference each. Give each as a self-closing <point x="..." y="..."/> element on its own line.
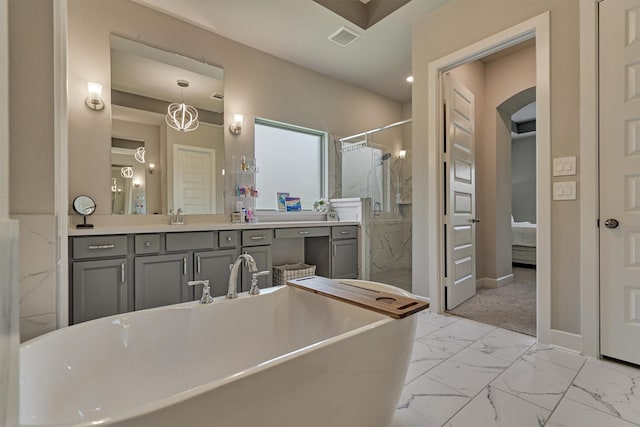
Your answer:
<point x="232" y="292"/>
<point x="206" y="290"/>
<point x="255" y="290"/>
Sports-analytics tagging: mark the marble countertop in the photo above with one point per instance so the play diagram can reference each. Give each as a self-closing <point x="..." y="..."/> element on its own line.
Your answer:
<point x="166" y="228"/>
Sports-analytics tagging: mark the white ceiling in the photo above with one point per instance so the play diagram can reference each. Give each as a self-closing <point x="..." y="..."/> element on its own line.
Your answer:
<point x="298" y="30"/>
<point x="147" y="71"/>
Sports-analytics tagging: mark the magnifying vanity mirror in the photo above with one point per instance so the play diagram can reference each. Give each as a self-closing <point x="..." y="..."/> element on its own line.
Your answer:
<point x="156" y="168"/>
<point x="85" y="206"/>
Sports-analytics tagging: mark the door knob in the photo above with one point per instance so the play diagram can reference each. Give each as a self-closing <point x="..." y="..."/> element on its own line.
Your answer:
<point x="474" y="220"/>
<point x="611" y="223"/>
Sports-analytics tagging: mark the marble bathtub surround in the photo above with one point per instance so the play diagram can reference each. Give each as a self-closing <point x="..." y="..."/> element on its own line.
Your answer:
<point x="464" y="373"/>
<point x="37" y="275"/>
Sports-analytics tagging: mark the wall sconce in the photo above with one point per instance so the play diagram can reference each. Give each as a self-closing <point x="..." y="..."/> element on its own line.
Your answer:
<point x="152" y="168"/>
<point x="94" y="100"/>
<point x="402" y="154"/>
<point x="136" y="183"/>
<point x="236" y="127"/>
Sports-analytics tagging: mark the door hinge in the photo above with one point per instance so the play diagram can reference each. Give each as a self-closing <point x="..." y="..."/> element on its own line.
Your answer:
<point x="445" y="157"/>
<point x="598" y="222"/>
<point x="447" y="282"/>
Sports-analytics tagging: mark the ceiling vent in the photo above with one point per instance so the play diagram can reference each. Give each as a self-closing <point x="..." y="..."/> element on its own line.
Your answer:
<point x="217" y="96"/>
<point x="344" y="36"/>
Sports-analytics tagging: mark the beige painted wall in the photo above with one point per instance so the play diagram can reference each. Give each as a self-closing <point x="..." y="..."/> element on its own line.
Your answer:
<point x="256" y="84"/>
<point x="475" y="21"/>
<point x="31" y="95"/>
<point x="4" y="110"/>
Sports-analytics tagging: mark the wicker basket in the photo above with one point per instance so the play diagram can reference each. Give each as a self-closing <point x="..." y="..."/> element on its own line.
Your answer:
<point x="282" y="273"/>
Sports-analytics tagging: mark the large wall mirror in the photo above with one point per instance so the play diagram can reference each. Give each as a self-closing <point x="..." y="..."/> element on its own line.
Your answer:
<point x="156" y="168"/>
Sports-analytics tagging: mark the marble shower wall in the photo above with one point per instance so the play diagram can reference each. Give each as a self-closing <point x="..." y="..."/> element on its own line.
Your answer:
<point x="390" y="244"/>
<point x="37" y="275"/>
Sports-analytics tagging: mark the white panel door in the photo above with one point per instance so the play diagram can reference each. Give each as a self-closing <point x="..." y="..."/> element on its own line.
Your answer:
<point x="194" y="179"/>
<point x="620" y="179"/>
<point x="460" y="220"/>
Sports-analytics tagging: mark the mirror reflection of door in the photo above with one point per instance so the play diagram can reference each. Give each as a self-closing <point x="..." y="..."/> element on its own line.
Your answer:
<point x="128" y="170"/>
<point x="194" y="179"/>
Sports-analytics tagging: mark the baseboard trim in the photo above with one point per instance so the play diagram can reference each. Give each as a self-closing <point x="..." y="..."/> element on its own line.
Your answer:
<point x="487" y="282"/>
<point x="566" y="340"/>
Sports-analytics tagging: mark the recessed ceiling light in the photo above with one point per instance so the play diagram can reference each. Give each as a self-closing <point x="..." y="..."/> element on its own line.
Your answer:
<point x="410" y="79"/>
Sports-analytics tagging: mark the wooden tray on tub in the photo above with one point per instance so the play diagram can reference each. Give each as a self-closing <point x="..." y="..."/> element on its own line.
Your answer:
<point x="396" y="306"/>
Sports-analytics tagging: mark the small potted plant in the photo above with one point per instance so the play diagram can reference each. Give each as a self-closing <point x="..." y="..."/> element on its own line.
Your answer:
<point x="321" y="206"/>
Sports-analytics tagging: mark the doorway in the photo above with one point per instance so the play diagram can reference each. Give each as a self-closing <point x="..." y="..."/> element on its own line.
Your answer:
<point x="434" y="270"/>
<point x="505" y="228"/>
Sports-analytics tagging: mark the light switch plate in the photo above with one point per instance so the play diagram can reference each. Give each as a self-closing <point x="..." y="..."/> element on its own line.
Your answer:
<point x="565" y="190"/>
<point x="563" y="166"/>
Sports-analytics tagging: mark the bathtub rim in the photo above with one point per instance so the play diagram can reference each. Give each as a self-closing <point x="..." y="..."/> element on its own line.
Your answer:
<point x="203" y="388"/>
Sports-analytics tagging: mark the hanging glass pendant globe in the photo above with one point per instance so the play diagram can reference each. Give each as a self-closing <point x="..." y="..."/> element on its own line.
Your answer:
<point x="180" y="116"/>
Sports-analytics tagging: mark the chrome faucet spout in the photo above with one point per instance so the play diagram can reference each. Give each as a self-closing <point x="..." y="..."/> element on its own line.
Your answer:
<point x="232" y="292"/>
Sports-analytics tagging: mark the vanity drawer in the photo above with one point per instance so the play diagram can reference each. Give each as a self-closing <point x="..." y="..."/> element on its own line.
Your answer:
<point x="147" y="243"/>
<point x="99" y="246"/>
<point x="283" y="233"/>
<point x="227" y="239"/>
<point x="257" y="237"/>
<point x="344" y="232"/>
<point x="190" y="241"/>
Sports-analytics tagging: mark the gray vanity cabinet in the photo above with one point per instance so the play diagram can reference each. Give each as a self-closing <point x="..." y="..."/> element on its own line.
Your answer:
<point x="337" y="256"/>
<point x="257" y="243"/>
<point x="162" y="280"/>
<point x="214" y="266"/>
<point x="100" y="288"/>
<point x="262" y="255"/>
<point x="344" y="259"/>
<point x="344" y="252"/>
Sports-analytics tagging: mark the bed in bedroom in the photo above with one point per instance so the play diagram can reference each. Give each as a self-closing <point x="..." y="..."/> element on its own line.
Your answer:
<point x="523" y="243"/>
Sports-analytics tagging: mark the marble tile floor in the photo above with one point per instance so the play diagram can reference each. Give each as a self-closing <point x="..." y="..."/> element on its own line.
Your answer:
<point x="468" y="374"/>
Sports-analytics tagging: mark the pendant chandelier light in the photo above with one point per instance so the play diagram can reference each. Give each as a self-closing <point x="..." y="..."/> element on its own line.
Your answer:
<point x="180" y="116"/>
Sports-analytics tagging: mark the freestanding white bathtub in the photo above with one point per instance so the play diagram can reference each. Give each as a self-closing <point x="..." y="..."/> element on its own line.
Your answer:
<point x="285" y="358"/>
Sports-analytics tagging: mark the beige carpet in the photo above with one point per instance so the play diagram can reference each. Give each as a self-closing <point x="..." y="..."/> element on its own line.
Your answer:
<point x="510" y="307"/>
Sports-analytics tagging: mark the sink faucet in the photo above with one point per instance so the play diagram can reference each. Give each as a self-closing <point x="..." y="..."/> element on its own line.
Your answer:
<point x="233" y="277"/>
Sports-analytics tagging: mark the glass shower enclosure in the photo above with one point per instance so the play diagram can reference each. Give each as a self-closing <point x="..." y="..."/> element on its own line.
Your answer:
<point x="376" y="168"/>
